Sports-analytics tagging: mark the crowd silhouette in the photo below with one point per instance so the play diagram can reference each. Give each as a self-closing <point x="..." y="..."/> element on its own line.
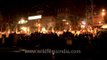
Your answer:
<point x="85" y="42"/>
<point x="52" y="40"/>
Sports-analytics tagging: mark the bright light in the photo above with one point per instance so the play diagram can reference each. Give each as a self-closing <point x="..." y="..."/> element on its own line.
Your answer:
<point x="59" y="32"/>
<point x="103" y="13"/>
<point x="25" y="30"/>
<point x="66" y="23"/>
<point x="73" y="32"/>
<point x="3" y="33"/>
<point x="65" y="30"/>
<point x="22" y="21"/>
<point x="39" y="25"/>
<point x="103" y="10"/>
<point x="83" y="22"/>
<point x="44" y="30"/>
<point x="104" y="26"/>
<point x="99" y="22"/>
<point x="91" y="31"/>
<point x="64" y="20"/>
<point x="34" y="17"/>
<point x="82" y="26"/>
<point x="17" y="32"/>
<point x="78" y="32"/>
<point x="84" y="31"/>
<point x="53" y="30"/>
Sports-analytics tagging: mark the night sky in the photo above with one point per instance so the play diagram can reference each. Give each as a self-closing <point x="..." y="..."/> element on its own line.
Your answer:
<point x="12" y="8"/>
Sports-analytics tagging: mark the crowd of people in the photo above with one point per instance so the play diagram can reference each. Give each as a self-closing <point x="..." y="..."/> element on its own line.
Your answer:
<point x="53" y="41"/>
<point x="88" y="44"/>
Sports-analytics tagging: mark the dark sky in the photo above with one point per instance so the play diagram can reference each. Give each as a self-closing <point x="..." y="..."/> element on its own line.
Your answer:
<point x="12" y="7"/>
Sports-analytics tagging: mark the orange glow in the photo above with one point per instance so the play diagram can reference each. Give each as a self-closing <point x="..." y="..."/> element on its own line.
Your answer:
<point x="44" y="30"/>
<point x="53" y="30"/>
<point x="91" y="31"/>
<point x="0" y="35"/>
<point x="82" y="26"/>
<point x="73" y="32"/>
<point x="59" y="32"/>
<point x="64" y="20"/>
<point x="25" y="30"/>
<point x="103" y="10"/>
<point x="65" y="30"/>
<point x="104" y="26"/>
<point x="22" y="21"/>
<point x="99" y="22"/>
<point x="66" y="23"/>
<point x="103" y="13"/>
<point x="39" y="25"/>
<point x="78" y="32"/>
